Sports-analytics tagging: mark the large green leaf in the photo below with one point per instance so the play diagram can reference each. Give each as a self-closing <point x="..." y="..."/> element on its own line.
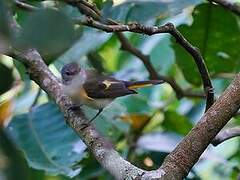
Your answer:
<point x="5" y="30"/>
<point x="145" y="10"/>
<point x="91" y="39"/>
<point x="106" y="123"/>
<point x="47" y="142"/>
<point x="216" y="32"/>
<point x="49" y="31"/>
<point x="176" y="122"/>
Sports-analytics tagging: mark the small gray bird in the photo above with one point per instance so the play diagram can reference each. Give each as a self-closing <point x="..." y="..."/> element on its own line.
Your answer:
<point x="87" y="87"/>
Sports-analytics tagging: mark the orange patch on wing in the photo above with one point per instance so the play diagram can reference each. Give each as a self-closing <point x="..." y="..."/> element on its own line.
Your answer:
<point x="139" y="86"/>
<point x="84" y="94"/>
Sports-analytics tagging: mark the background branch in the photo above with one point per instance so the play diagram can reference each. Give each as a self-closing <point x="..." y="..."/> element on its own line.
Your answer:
<point x="113" y="26"/>
<point x="125" y="45"/>
<point x="179" y="162"/>
<point x="101" y="148"/>
<point x="225" y="135"/>
<point x="176" y="165"/>
<point x="186" y="154"/>
<point x="234" y="7"/>
<point x="25" y="6"/>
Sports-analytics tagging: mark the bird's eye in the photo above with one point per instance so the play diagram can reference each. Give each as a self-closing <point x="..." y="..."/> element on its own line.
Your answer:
<point x="68" y="73"/>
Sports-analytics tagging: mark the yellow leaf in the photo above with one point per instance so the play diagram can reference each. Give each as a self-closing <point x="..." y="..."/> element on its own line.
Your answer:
<point x="137" y="121"/>
<point x="5" y="111"/>
<point x="7" y="102"/>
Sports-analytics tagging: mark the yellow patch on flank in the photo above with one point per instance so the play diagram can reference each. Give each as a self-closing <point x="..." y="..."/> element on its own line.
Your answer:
<point x="83" y="94"/>
<point x="139" y="86"/>
<point x="108" y="83"/>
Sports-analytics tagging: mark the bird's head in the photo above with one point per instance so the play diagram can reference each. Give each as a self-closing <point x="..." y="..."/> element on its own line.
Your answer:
<point x="69" y="72"/>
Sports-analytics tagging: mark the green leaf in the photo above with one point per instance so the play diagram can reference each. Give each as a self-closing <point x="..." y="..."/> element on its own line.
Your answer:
<point x="215" y="32"/>
<point x="138" y="103"/>
<point x="5" y="29"/>
<point x="49" y="31"/>
<point x="91" y="39"/>
<point x="145" y="10"/>
<point x="14" y="165"/>
<point x="47" y="142"/>
<point x="106" y="123"/>
<point x="176" y="123"/>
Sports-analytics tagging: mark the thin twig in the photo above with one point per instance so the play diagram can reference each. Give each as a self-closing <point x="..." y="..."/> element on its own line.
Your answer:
<point x="85" y="8"/>
<point x="225" y="135"/>
<point x="25" y="6"/>
<point x="176" y="165"/>
<point x="128" y="47"/>
<point x="234" y="7"/>
<point x="125" y="45"/>
<point x="112" y="26"/>
<point x="36" y="98"/>
<point x="208" y="88"/>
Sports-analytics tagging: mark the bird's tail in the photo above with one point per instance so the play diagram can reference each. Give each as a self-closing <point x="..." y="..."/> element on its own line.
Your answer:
<point x="140" y="84"/>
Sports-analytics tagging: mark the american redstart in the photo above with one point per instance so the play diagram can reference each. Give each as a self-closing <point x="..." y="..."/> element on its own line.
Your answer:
<point x="87" y="87"/>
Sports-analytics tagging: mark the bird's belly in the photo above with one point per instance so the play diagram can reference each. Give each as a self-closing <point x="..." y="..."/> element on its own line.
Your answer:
<point x="79" y="96"/>
<point x="97" y="103"/>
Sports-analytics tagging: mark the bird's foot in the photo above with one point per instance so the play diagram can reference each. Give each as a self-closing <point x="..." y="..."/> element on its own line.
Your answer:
<point x="74" y="107"/>
<point x="84" y="126"/>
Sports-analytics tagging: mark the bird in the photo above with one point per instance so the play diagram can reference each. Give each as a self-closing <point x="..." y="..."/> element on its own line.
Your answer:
<point x="95" y="90"/>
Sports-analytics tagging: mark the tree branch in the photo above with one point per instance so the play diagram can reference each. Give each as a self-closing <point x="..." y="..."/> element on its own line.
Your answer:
<point x="25" y="6"/>
<point x="125" y="45"/>
<point x="128" y="47"/>
<point x="176" y="165"/>
<point x="179" y="162"/>
<point x="225" y="135"/>
<point x="99" y="146"/>
<point x="186" y="154"/>
<point x="234" y="7"/>
<point x="112" y="26"/>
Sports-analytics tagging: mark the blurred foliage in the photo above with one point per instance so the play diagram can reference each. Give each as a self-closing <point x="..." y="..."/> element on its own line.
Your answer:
<point x="209" y="33"/>
<point x="41" y="30"/>
<point x="55" y="149"/>
<point x="37" y="144"/>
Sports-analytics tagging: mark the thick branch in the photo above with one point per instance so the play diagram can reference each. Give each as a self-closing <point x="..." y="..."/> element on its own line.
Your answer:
<point x="176" y="165"/>
<point x="186" y="154"/>
<point x="99" y="146"/>
<point x="234" y="7"/>
<point x="179" y="162"/>
<point x="225" y="135"/>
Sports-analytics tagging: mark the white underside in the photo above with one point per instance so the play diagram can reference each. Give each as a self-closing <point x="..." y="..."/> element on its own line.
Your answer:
<point x="97" y="103"/>
<point x="77" y="99"/>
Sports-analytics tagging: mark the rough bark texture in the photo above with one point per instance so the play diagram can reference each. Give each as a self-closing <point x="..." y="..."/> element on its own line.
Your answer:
<point x="99" y="146"/>
<point x="176" y="165"/>
<point x="186" y="154"/>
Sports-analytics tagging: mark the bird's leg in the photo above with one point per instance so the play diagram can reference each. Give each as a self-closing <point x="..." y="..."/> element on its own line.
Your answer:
<point x="99" y="112"/>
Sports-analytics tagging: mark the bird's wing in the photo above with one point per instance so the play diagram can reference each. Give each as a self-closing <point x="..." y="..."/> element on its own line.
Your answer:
<point x="106" y="87"/>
